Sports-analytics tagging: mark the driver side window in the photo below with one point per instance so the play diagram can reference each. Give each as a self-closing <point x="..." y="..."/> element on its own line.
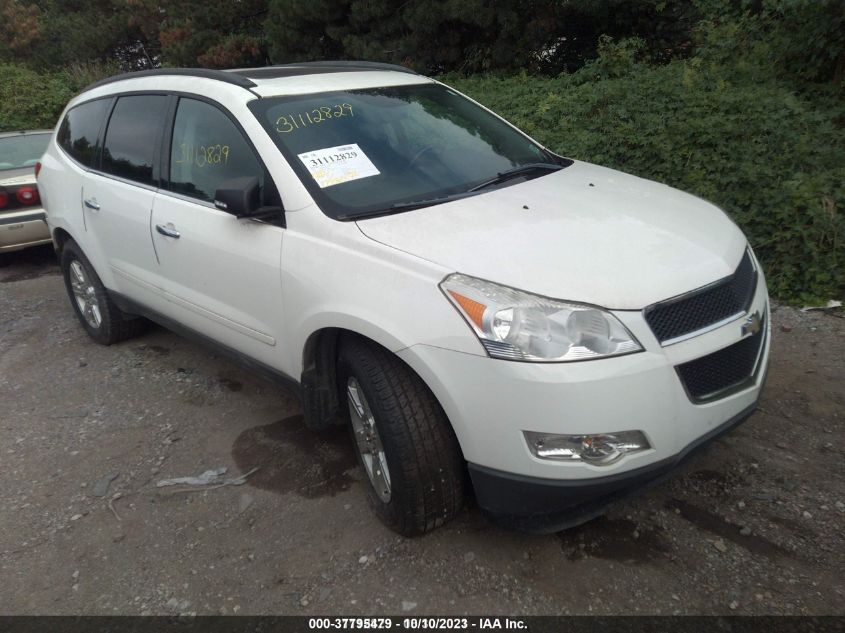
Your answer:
<point x="207" y="150"/>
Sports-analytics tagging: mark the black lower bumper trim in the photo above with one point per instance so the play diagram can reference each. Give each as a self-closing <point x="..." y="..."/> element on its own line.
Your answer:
<point x="542" y="506"/>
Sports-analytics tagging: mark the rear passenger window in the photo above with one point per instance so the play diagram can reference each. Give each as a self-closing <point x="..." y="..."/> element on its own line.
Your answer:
<point x="79" y="132"/>
<point x="130" y="144"/>
<point x="207" y="150"/>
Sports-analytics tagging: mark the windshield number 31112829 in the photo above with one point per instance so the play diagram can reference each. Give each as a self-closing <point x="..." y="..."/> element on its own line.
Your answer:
<point x="333" y="158"/>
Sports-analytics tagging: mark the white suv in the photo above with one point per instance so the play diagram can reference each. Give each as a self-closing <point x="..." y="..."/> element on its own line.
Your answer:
<point x="481" y="311"/>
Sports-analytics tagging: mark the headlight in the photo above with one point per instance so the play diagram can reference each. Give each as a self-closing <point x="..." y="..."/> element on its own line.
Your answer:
<point x="516" y="325"/>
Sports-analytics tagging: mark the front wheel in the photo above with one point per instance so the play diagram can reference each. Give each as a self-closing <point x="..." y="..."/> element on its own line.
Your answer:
<point x="404" y="443"/>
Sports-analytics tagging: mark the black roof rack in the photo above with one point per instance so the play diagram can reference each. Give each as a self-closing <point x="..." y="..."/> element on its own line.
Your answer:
<point x="313" y="68"/>
<point x="243" y="76"/>
<point x="206" y="73"/>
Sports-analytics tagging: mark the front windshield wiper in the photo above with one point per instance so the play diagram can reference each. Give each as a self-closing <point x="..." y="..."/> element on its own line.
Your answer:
<point x="520" y="170"/>
<point x="407" y="206"/>
<point x="430" y="202"/>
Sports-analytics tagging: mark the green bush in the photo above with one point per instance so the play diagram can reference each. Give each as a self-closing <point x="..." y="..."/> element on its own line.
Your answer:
<point x="29" y="99"/>
<point x="774" y="160"/>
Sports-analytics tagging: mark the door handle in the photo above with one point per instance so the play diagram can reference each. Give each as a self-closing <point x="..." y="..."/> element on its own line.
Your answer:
<point x="167" y="231"/>
<point x="91" y="203"/>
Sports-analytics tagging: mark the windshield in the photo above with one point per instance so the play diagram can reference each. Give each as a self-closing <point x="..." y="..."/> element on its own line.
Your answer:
<point x="22" y="150"/>
<point x="371" y="150"/>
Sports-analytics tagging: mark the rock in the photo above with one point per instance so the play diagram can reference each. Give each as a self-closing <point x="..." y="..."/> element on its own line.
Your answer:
<point x="785" y="328"/>
<point x="363" y="560"/>
<point x="76" y="517"/>
<point x="719" y="544"/>
<point x="101" y="486"/>
<point x="745" y="531"/>
<point x="244" y="502"/>
<point x="469" y="557"/>
<point x="75" y="574"/>
<point x="303" y="602"/>
<point x="740" y="505"/>
<point x="733" y="605"/>
<point x="839" y="505"/>
<point x="807" y="515"/>
<point x="407" y="605"/>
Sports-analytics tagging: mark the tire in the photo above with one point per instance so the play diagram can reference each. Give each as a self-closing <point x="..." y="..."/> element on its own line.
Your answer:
<point x="425" y="467"/>
<point x="101" y="318"/>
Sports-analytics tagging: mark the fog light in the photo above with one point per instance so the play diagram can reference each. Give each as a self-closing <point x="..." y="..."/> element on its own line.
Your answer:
<point x="601" y="449"/>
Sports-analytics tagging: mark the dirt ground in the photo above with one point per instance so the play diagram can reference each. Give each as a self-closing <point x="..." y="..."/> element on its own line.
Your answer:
<point x="753" y="526"/>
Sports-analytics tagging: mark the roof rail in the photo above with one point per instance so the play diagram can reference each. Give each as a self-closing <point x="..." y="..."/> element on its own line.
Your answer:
<point x="242" y="76"/>
<point x="205" y="73"/>
<point x="313" y="68"/>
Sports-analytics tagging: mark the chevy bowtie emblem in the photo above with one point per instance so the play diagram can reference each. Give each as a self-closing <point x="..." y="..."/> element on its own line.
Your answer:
<point x="752" y="324"/>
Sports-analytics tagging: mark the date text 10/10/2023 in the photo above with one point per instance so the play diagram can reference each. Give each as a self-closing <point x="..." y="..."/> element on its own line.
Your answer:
<point x="418" y="623"/>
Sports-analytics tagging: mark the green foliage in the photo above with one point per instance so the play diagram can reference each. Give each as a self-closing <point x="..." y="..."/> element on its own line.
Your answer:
<point x="739" y="101"/>
<point x="471" y="36"/>
<point x="31" y="100"/>
<point x="774" y="160"/>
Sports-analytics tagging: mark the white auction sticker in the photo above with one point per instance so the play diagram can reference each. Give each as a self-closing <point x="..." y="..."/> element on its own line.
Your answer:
<point x="335" y="165"/>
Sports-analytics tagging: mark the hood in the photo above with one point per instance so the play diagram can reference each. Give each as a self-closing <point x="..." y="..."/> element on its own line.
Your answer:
<point x="585" y="233"/>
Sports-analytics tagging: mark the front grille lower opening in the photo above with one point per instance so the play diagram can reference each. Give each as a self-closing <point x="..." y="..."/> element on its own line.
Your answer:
<point x="718" y="374"/>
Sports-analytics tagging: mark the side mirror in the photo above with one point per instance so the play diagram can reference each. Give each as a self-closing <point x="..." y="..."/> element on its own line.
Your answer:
<point x="240" y="197"/>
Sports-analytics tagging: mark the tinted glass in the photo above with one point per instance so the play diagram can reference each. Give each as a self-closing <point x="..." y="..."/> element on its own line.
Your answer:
<point x="22" y="150"/>
<point x="79" y="133"/>
<point x="364" y="150"/>
<point x="130" y="144"/>
<point x="207" y="150"/>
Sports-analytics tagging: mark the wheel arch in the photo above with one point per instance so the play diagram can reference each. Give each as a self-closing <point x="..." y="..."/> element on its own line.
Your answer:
<point x="319" y="392"/>
<point x="60" y="238"/>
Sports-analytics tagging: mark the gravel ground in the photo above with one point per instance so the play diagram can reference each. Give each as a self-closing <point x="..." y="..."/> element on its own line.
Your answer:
<point x="754" y="525"/>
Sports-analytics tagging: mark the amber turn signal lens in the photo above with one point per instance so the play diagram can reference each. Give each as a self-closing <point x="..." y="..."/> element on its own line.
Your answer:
<point x="473" y="309"/>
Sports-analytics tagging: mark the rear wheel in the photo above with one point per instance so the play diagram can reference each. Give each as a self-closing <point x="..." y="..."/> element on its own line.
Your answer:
<point x="98" y="314"/>
<point x="404" y="443"/>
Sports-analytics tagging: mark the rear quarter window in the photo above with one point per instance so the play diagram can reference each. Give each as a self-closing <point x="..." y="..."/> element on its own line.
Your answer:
<point x="130" y="144"/>
<point x="79" y="132"/>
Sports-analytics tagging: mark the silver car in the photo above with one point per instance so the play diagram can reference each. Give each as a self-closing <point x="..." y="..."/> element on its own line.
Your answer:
<point x="22" y="218"/>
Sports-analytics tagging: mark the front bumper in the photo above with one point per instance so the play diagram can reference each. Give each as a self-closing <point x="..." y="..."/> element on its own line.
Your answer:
<point x="491" y="402"/>
<point x="23" y="228"/>
<point x="542" y="506"/>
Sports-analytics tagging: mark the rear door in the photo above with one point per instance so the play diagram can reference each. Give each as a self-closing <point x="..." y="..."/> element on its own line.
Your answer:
<point x="118" y="195"/>
<point x="221" y="274"/>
